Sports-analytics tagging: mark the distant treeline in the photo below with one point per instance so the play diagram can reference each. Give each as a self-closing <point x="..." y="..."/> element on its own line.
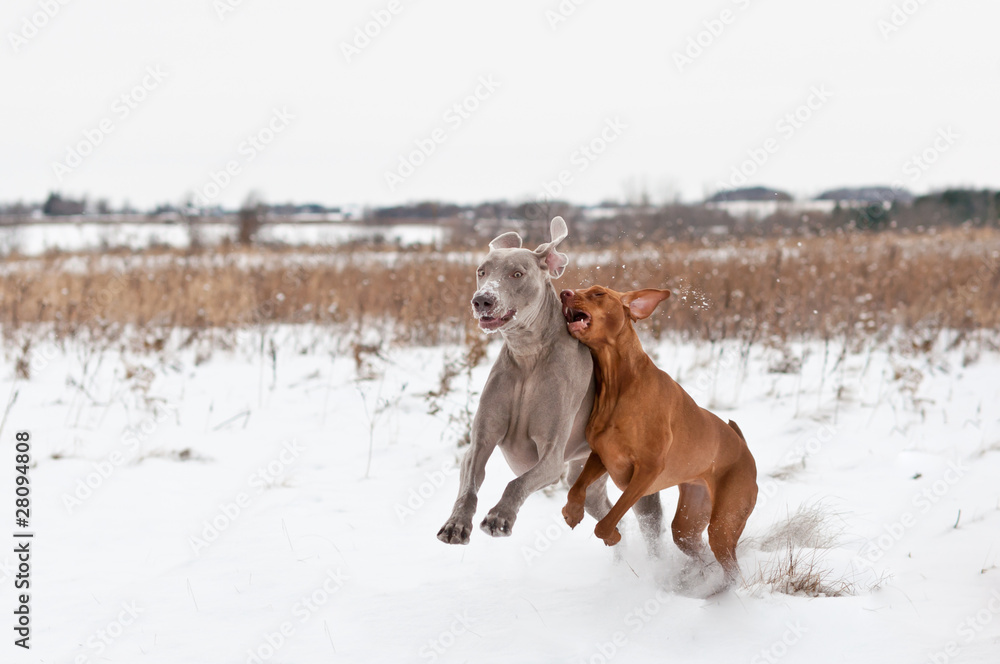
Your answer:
<point x="870" y="209"/>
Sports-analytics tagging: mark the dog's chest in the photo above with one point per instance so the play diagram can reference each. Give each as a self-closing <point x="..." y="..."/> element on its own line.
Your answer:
<point x="609" y="442"/>
<point x="518" y="448"/>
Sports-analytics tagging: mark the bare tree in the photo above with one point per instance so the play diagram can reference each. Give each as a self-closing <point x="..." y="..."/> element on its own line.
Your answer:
<point x="250" y="218"/>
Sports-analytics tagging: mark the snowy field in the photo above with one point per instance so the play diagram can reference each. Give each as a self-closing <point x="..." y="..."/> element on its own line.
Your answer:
<point x="248" y="507"/>
<point x="36" y="238"/>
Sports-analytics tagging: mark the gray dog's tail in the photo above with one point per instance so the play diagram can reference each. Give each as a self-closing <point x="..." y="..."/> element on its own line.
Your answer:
<point x="736" y="428"/>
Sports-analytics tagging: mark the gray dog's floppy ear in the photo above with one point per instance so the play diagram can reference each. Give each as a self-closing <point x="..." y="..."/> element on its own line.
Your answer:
<point x="558" y="230"/>
<point x="509" y="240"/>
<point x="552" y="260"/>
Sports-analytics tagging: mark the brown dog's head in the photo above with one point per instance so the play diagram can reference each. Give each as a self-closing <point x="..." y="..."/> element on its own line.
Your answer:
<point x="597" y="315"/>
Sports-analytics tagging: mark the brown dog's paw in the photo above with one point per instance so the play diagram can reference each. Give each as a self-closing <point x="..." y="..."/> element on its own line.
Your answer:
<point x="610" y="538"/>
<point x="573" y="514"/>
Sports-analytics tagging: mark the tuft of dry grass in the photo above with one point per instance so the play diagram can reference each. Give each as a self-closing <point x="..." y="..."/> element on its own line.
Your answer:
<point x="801" y="572"/>
<point x="846" y="286"/>
<point x="807" y="527"/>
<point x="799" y="545"/>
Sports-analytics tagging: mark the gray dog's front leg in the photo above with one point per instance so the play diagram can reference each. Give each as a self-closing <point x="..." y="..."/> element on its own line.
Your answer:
<point x="499" y="521"/>
<point x="458" y="527"/>
<point x="488" y="428"/>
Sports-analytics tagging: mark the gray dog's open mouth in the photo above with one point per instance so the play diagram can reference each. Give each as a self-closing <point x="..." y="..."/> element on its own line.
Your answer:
<point x="491" y="323"/>
<point x="577" y="320"/>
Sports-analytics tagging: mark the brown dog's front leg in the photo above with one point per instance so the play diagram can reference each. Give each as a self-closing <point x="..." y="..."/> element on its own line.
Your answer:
<point x="573" y="512"/>
<point x="637" y="487"/>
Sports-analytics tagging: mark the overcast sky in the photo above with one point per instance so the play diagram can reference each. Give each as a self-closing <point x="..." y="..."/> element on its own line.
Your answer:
<point x="899" y="98"/>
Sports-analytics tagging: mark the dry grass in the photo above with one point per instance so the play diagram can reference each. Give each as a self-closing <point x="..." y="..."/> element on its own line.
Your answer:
<point x="850" y="286"/>
<point x="807" y="527"/>
<point x="802" y="572"/>
<point x="797" y="567"/>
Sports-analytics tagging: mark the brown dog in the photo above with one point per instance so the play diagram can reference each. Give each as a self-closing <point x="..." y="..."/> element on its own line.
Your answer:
<point x="648" y="434"/>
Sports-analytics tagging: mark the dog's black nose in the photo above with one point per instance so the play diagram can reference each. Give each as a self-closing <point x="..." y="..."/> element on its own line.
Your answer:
<point x="565" y="295"/>
<point x="483" y="303"/>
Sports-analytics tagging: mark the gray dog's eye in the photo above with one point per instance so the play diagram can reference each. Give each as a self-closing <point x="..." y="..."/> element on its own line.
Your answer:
<point x="517" y="275"/>
<point x="481" y="272"/>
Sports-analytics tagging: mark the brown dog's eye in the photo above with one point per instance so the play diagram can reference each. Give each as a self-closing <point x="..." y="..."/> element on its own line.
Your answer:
<point x="517" y="275"/>
<point x="598" y="294"/>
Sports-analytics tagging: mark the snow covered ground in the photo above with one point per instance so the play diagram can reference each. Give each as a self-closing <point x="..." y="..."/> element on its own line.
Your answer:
<point x="36" y="238"/>
<point x="219" y="507"/>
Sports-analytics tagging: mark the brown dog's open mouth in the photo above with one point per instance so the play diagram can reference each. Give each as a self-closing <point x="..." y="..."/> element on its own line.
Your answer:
<point x="576" y="319"/>
<point x="490" y="323"/>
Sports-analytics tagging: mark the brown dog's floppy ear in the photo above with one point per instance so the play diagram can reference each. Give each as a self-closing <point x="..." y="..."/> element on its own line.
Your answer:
<point x="509" y="240"/>
<point x="641" y="303"/>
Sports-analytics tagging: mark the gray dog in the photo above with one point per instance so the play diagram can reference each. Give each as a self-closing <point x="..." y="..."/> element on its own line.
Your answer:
<point x="538" y="397"/>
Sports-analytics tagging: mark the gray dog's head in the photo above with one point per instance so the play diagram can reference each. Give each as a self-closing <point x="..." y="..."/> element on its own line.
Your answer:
<point x="513" y="282"/>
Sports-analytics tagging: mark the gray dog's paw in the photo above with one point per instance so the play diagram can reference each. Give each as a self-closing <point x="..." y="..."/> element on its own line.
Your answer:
<point x="455" y="532"/>
<point x="498" y="525"/>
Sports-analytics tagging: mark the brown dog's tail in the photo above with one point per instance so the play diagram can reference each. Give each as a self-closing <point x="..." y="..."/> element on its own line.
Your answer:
<point x="736" y="428"/>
